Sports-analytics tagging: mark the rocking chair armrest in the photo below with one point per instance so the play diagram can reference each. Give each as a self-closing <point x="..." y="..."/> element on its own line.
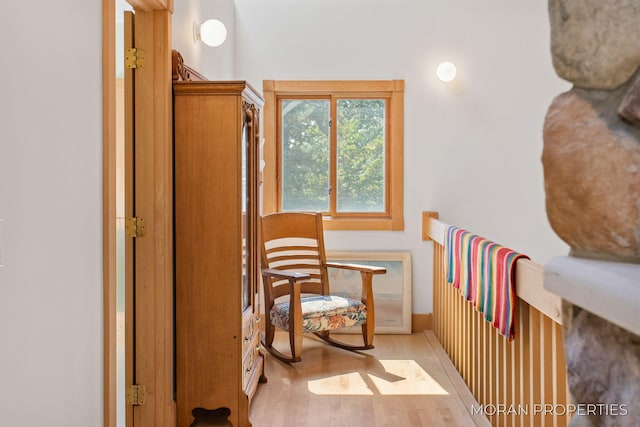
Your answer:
<point x="362" y="268"/>
<point x="282" y="274"/>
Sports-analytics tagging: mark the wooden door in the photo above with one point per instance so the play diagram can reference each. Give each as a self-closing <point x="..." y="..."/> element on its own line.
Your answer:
<point x="149" y="210"/>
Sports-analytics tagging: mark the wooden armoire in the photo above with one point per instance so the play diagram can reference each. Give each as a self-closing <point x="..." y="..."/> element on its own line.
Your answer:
<point x="216" y="158"/>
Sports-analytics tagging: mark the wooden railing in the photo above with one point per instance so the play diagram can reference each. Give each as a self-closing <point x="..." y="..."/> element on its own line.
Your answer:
<point x="518" y="383"/>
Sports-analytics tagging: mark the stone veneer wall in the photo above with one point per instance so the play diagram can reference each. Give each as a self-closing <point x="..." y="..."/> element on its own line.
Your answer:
<point x="591" y="151"/>
<point x="591" y="160"/>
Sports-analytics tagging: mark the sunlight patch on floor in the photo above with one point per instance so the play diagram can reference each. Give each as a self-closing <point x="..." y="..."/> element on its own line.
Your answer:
<point x="415" y="379"/>
<point x="400" y="377"/>
<point x="346" y="384"/>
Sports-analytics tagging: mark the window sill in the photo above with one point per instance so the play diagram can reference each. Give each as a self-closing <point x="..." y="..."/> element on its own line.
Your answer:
<point x="363" y="224"/>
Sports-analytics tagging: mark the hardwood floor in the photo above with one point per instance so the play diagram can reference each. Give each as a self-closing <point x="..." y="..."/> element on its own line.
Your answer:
<point x="406" y="381"/>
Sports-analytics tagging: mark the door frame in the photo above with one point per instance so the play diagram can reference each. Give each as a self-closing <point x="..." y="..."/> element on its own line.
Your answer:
<point x="109" y="210"/>
<point x="154" y="133"/>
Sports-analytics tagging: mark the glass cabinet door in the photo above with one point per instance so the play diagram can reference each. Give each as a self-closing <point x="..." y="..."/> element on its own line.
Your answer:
<point x="246" y="212"/>
<point x="249" y="204"/>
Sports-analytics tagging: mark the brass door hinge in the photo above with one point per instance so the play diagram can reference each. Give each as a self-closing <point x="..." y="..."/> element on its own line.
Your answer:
<point x="135" y="227"/>
<point x="136" y="395"/>
<point x="134" y="58"/>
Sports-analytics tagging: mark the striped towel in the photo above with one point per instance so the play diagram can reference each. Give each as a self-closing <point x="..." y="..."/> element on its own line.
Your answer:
<point x="484" y="273"/>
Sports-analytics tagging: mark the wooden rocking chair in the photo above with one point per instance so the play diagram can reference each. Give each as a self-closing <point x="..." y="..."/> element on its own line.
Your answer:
<point x="294" y="265"/>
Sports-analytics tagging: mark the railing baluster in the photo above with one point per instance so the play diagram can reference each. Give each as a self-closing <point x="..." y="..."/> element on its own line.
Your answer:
<point x="510" y="381"/>
<point x="547" y="367"/>
<point x="560" y="380"/>
<point x="536" y="363"/>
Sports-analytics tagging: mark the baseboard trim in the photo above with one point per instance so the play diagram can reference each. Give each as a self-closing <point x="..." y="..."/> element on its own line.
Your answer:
<point x="421" y="322"/>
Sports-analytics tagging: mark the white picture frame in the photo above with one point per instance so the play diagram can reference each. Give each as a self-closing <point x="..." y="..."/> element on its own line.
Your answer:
<point x="392" y="291"/>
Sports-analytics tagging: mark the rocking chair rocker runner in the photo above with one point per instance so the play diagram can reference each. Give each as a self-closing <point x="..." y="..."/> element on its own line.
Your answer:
<point x="296" y="286"/>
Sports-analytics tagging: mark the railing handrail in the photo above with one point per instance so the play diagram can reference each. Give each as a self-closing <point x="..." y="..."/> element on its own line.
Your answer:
<point x="529" y="274"/>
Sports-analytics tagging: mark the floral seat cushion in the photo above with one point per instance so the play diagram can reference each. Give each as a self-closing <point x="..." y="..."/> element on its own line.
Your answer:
<point x="322" y="313"/>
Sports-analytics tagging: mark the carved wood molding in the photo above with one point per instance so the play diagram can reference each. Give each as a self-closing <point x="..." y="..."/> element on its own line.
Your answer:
<point x="181" y="71"/>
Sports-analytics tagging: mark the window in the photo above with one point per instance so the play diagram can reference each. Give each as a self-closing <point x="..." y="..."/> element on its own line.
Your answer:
<point x="335" y="147"/>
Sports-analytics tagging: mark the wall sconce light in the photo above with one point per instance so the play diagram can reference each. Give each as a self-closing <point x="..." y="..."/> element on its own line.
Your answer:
<point x="446" y="72"/>
<point x="211" y="32"/>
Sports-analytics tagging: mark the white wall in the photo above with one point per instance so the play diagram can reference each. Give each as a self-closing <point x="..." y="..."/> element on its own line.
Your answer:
<point x="51" y="204"/>
<point x="472" y="149"/>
